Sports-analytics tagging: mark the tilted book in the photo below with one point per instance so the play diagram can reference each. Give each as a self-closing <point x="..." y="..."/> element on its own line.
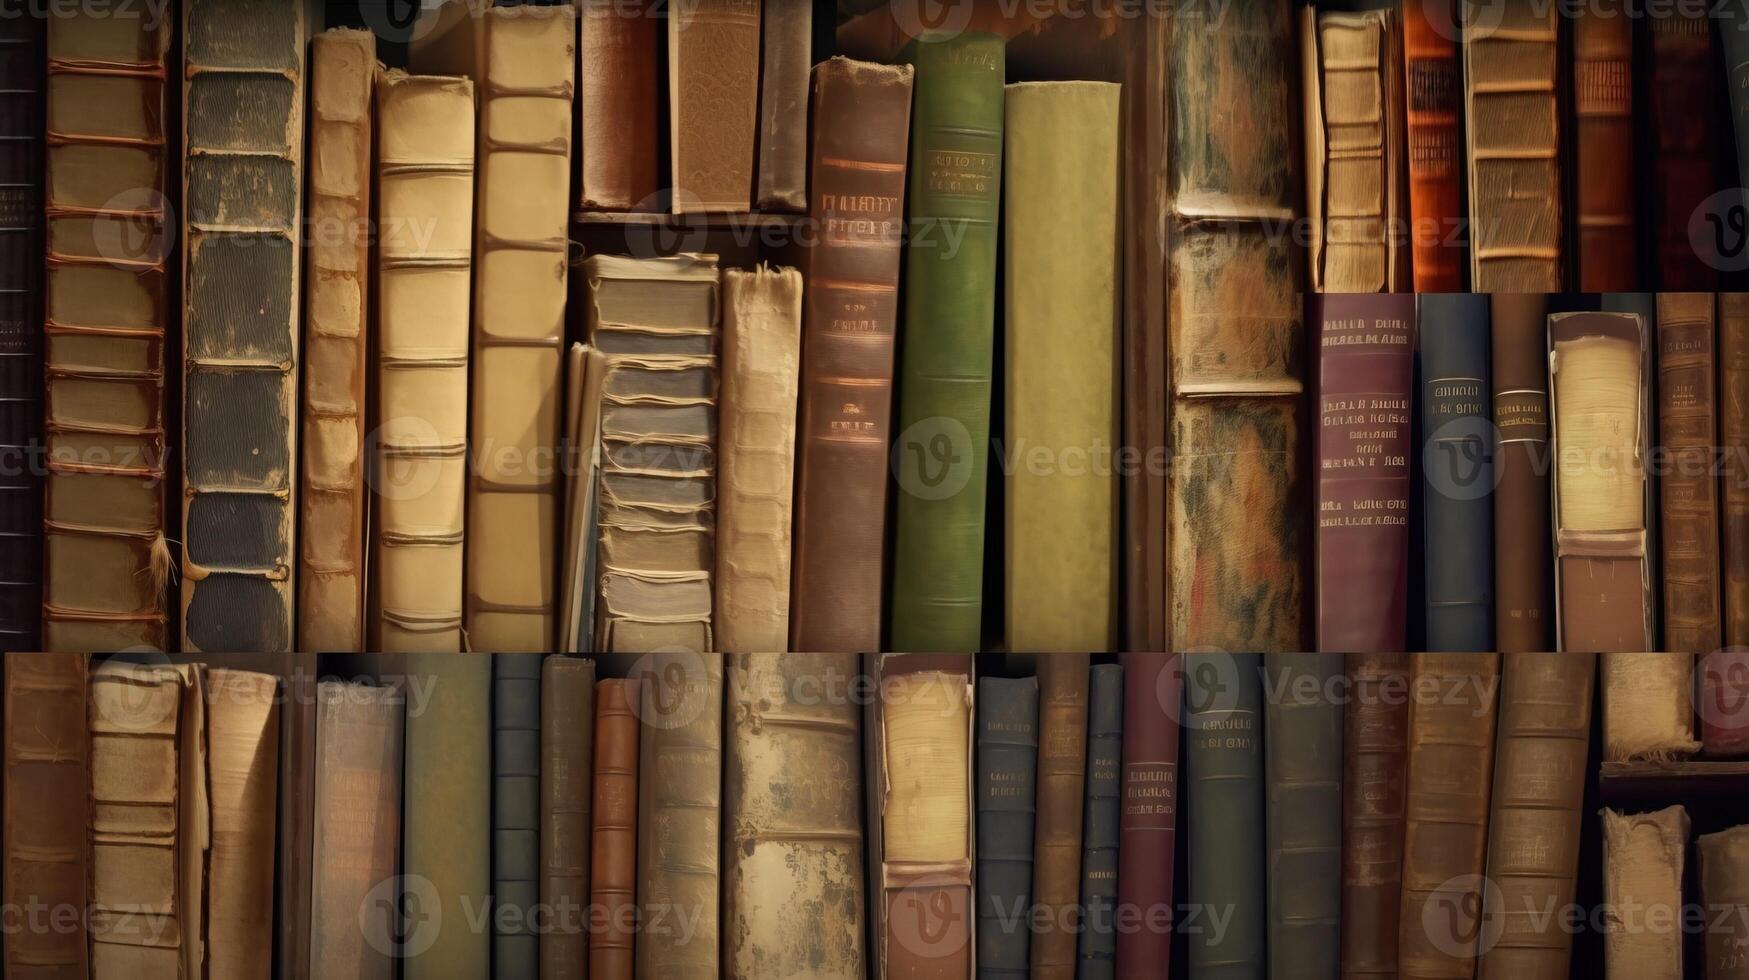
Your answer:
<point x="1433" y="90"/>
<point x="1457" y="472"/>
<point x="242" y="733"/>
<point x="1148" y="827"/>
<point x="516" y="809"/>
<point x="1223" y="699"/>
<point x="1518" y="377"/>
<point x="1644" y="855"/>
<point x="46" y="785"/>
<point x="1607" y="245"/>
<point x="567" y="758"/>
<point x="613" y="835"/>
<point x="1007" y="759"/>
<point x="1303" y="781"/>
<point x="1683" y="86"/>
<point x="1057" y="829"/>
<point x="1375" y="746"/>
<point x="21" y="338"/>
<point x="713" y="102"/>
<point x="1688" y="486"/>
<point x="619" y="101"/>
<point x="359" y="732"/>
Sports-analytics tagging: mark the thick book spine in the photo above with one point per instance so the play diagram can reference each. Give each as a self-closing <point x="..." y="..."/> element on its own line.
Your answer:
<point x="1303" y="773"/>
<point x="1457" y="469"/>
<point x="1056" y="848"/>
<point x="22" y="46"/>
<point x="567" y="756"/>
<point x="1725" y="722"/>
<point x="1518" y="377"/>
<point x="1683" y="86"/>
<point x="357" y="834"/>
<point x="1536" y="812"/>
<point x="862" y="117"/>
<point x="1060" y="287"/>
<point x="1734" y="39"/>
<point x="1433" y="88"/>
<point x="516" y="806"/>
<point x="1643" y="859"/>
<point x="1607" y="247"/>
<point x="793" y="882"/>
<point x="613" y="848"/>
<point x="1100" y="823"/>
<point x="1148" y="828"/>
<point x="336" y="343"/>
<point x="1688" y="491"/>
<point x="242" y="733"/>
<point x="1366" y="358"/>
<point x="47" y="788"/>
<point x="713" y="103"/>
<point x="786" y="40"/>
<point x="619" y="100"/>
<point x="943" y="423"/>
<point x="1007" y="783"/>
<point x="1375" y="740"/>
<point x="1648" y="714"/>
<point x="1223" y="695"/>
<point x="106" y="559"/>
<point x="680" y="813"/>
<point x="1725" y="885"/>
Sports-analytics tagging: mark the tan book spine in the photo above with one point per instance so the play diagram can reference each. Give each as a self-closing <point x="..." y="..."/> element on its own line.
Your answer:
<point x="1648" y="710"/>
<point x="1643" y="857"/>
<point x="1056" y="851"/>
<point x="713" y="103"/>
<point x="567" y="745"/>
<point x="680" y="813"/>
<point x="336" y="341"/>
<point x="242" y="712"/>
<point x="1688" y="490"/>
<point x="619" y="101"/>
<point x="1724" y="885"/>
<point x="357" y="834"/>
<point x="47" y="793"/>
<point x="425" y="208"/>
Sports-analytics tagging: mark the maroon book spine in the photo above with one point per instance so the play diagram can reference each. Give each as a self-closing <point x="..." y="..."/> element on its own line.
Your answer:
<point x="1148" y="828"/>
<point x="1683" y="86"/>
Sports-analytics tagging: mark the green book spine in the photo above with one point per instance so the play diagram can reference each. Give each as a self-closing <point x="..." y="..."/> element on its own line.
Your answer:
<point x="944" y="384"/>
<point x="1223" y="695"/>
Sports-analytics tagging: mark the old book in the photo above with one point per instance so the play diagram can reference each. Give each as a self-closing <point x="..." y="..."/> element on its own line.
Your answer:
<point x="1153" y="694"/>
<point x="1432" y="89"/>
<point x="1060" y="287"/>
<point x="1100" y="823"/>
<point x="620" y="103"/>
<point x="425" y="182"/>
<point x="46" y="786"/>
<point x="656" y="319"/>
<point x="1056" y="848"/>
<point x="1223" y="696"/>
<point x="585" y="370"/>
<point x="1683" y="84"/>
<point x="336" y="343"/>
<point x="1607" y="247"/>
<point x="242" y="751"/>
<point x="1536" y="812"/>
<point x="1725" y="718"/>
<point x="1457" y="472"/>
<point x="294" y="872"/>
<point x="1600" y="443"/>
<point x="1734" y="40"/>
<point x="943" y="416"/>
<point x="106" y="560"/>
<point x="613" y="848"/>
<point x="516" y="810"/>
<point x="1007" y="790"/>
<point x="1512" y="126"/>
<point x="762" y="338"/>
<point x="862" y="117"/>
<point x="359" y="731"/>
<point x="567" y="756"/>
<point x="1723" y="858"/>
<point x="1643" y="858"/>
<point x="1355" y="173"/>
<point x="787" y="56"/>
<point x="1303" y="777"/>
<point x="1375" y="739"/>
<point x="680" y="769"/>
<point x="1235" y="496"/>
<point x="1688" y="490"/>
<point x="713" y="100"/>
<point x="21" y="339"/>
<point x="1518" y="377"/>
<point x="1647" y="707"/>
<point x="1366" y="357"/>
<point x="792" y="797"/>
<point x="1445" y="811"/>
<point x="150" y="823"/>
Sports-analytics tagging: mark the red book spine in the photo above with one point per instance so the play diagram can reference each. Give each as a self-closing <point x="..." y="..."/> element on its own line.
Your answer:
<point x="1148" y="827"/>
<point x="1430" y="67"/>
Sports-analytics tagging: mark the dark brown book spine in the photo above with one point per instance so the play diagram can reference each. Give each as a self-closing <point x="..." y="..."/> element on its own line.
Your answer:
<point x="1056" y="853"/>
<point x="1375" y="742"/>
<point x="862" y="115"/>
<point x="1724" y="713"/>
<point x="1603" y="167"/>
<point x="21" y="367"/>
<point x="619" y="98"/>
<point x="47" y="815"/>
<point x="1148" y="826"/>
<point x="1523" y="573"/>
<point x="613" y="862"/>
<point x="1688" y="488"/>
<point x="1683" y="83"/>
<point x="567" y="718"/>
<point x="1434" y="82"/>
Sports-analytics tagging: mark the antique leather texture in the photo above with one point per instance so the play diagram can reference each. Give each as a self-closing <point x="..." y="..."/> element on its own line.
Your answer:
<point x="1374" y="782"/>
<point x="1007" y="760"/>
<point x="1643" y="858"/>
<point x="713" y="103"/>
<point x="1224" y="809"/>
<point x="1433" y="91"/>
<point x="1524" y="615"/>
<point x="1153" y="689"/>
<point x="620" y="96"/>
<point x="680" y="813"/>
<point x="1647" y="709"/>
<point x="1607" y="246"/>
<point x="1099" y="825"/>
<point x="613" y="849"/>
<point x="357" y="839"/>
<point x="21" y="338"/>
<point x="1688" y="491"/>
<point x="787" y="38"/>
<point x="1722" y="886"/>
<point x="1457" y="469"/>
<point x="516" y="811"/>
<point x="1733" y="403"/>
<point x="1062" y="779"/>
<point x="1683" y="82"/>
<point x="1303" y="783"/>
<point x="567" y="757"/>
<point x="47" y="791"/>
<point x="242" y="733"/>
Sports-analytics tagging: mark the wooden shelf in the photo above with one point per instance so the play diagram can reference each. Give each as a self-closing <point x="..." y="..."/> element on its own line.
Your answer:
<point x="1667" y="782"/>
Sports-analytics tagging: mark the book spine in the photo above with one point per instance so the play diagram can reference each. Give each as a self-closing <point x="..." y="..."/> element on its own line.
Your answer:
<point x="1734" y="39"/>
<point x="1537" y="811"/>
<point x="1366" y="360"/>
<point x="1100" y="824"/>
<point x="1688" y="492"/>
<point x="46" y="789"/>
<point x="1683" y="84"/>
<point x="713" y="103"/>
<point x="1007" y="784"/>
<point x="680" y="812"/>
<point x="1643" y="861"/>
<point x="1434" y="85"/>
<point x="787" y="38"/>
<point x="1603" y="164"/>
<point x="1225" y="800"/>
<point x="242" y="717"/>
<point x="613" y="859"/>
<point x="1056" y="849"/>
<point x="619" y="100"/>
<point x="1723" y="885"/>
<point x="1733" y="402"/>
<point x="862" y="115"/>
<point x="1518" y="377"/>
<point x="516" y="807"/>
<point x="567" y="747"/>
<point x="1457" y="453"/>
<point x="22" y="48"/>
<point x="1375" y="737"/>
<point x="1148" y="827"/>
<point x="337" y="340"/>
<point x="945" y="374"/>
<point x="357" y="837"/>
<point x="1303" y="773"/>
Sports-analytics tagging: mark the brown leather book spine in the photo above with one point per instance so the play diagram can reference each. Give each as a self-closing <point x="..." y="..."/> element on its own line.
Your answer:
<point x="242" y="718"/>
<point x="1434" y="87"/>
<point x="356" y="840"/>
<point x="1684" y="84"/>
<point x="1603" y="134"/>
<point x="567" y="745"/>
<point x="21" y="339"/>
<point x="1519" y="377"/>
<point x="1374" y="780"/>
<point x="613" y="860"/>
<point x="1056" y="852"/>
<point x="788" y="40"/>
<point x="1688" y="491"/>
<point x="713" y="103"/>
<point x="1724" y="885"/>
<point x="619" y="96"/>
<point x="1733" y="402"/>
<point x="862" y="116"/>
<point x="47" y="815"/>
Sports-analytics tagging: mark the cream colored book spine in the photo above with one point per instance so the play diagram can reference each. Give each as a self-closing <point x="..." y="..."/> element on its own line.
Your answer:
<point x="242" y="715"/>
<point x="1643" y="856"/>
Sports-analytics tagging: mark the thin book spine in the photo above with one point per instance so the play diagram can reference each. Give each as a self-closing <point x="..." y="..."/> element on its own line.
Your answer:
<point x="1100" y="824"/>
<point x="22" y="47"/>
<point x="1303" y="772"/>
<point x="1148" y="828"/>
<point x="1007" y="749"/>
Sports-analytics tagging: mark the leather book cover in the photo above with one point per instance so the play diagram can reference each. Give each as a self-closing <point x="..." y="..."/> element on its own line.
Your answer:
<point x="1683" y="83"/>
<point x="1725" y="720"/>
<point x="1457" y="472"/>
<point x="793" y="886"/>
<point x="862" y="124"/>
<point x="756" y="438"/>
<point x="1512" y="128"/>
<point x="1100" y="823"/>
<point x="425" y="181"/>
<point x="21" y="339"/>
<point x="106" y="560"/>
<point x="713" y="103"/>
<point x="1648" y="710"/>
<point x="1366" y="360"/>
<point x="1224" y="793"/>
<point x="567" y="757"/>
<point x="680" y="813"/>
<point x="1518" y="378"/>
<point x="336" y="343"/>
<point x="1605" y="195"/>
<point x="1536" y="813"/>
<point x="1375" y="739"/>
<point x="1455" y="698"/>
<point x="1723" y="857"/>
<point x="1688" y="486"/>
<point x="620" y="102"/>
<point x="1007" y="759"/>
<point x="940" y="462"/>
<point x="787" y="42"/>
<point x="357" y="839"/>
<point x="242" y="732"/>
<point x="1433" y="90"/>
<point x="1355" y="169"/>
<point x="1643" y="860"/>
<point x="1236" y="496"/>
<point x="47" y="788"/>
<point x="1598" y="390"/>
<point x="1057" y="829"/>
<point x="613" y="848"/>
<point x="1148" y="827"/>
<point x="1060" y="289"/>
<point x="1734" y="40"/>
<point x="1303" y="775"/>
<point x="516" y="812"/>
